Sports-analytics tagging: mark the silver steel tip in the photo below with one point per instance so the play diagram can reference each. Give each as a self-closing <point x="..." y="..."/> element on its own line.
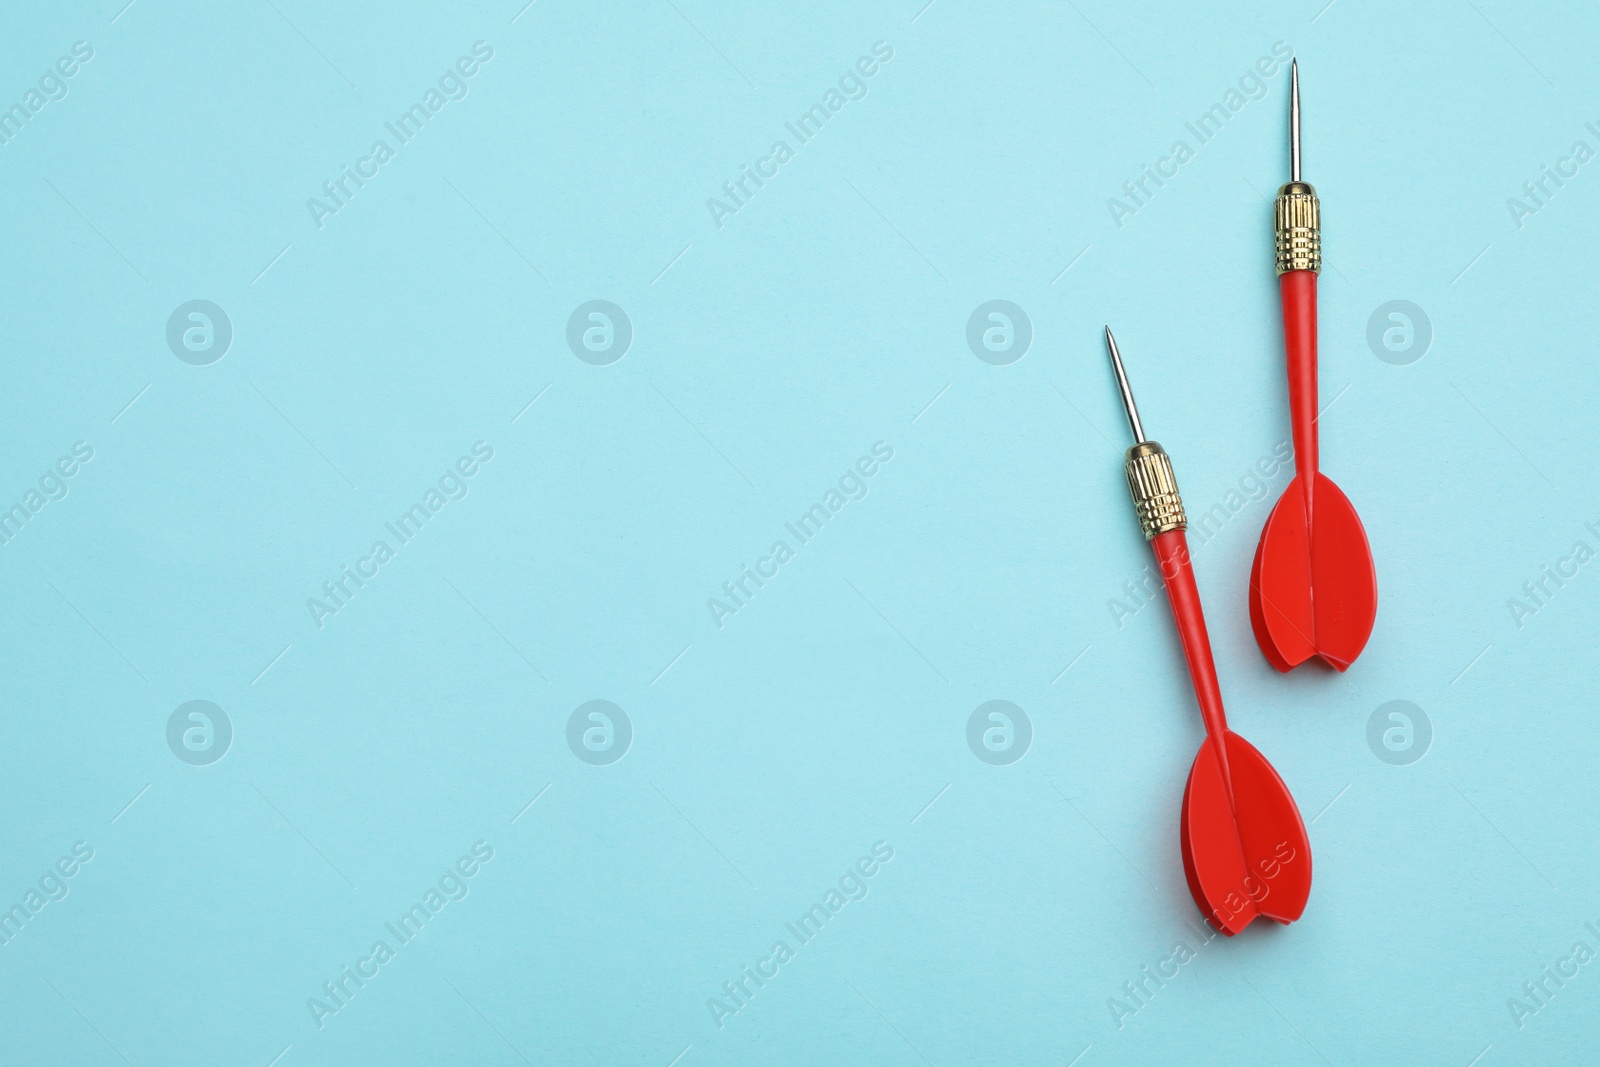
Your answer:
<point x="1122" y="386"/>
<point x="1294" y="120"/>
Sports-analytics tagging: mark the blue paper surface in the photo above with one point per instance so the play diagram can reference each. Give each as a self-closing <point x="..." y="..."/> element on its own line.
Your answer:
<point x="595" y="533"/>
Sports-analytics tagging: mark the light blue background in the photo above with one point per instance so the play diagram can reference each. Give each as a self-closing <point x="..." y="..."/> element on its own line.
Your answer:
<point x="369" y="354"/>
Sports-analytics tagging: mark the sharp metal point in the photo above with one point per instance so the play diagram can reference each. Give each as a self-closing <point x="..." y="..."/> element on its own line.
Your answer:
<point x="1122" y="384"/>
<point x="1294" y="120"/>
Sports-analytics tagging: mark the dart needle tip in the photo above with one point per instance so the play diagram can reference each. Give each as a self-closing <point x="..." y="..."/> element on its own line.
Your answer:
<point x="1122" y="387"/>
<point x="1294" y="120"/>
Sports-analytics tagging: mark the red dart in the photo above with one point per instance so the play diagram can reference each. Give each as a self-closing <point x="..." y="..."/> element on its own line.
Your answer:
<point x="1245" y="851"/>
<point x="1313" y="591"/>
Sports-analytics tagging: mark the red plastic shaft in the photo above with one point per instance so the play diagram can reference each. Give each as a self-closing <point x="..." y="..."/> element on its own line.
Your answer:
<point x="1172" y="556"/>
<point x="1298" y="289"/>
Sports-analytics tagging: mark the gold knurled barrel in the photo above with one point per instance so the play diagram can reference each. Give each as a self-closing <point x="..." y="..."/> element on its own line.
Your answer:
<point x="1297" y="220"/>
<point x="1154" y="489"/>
